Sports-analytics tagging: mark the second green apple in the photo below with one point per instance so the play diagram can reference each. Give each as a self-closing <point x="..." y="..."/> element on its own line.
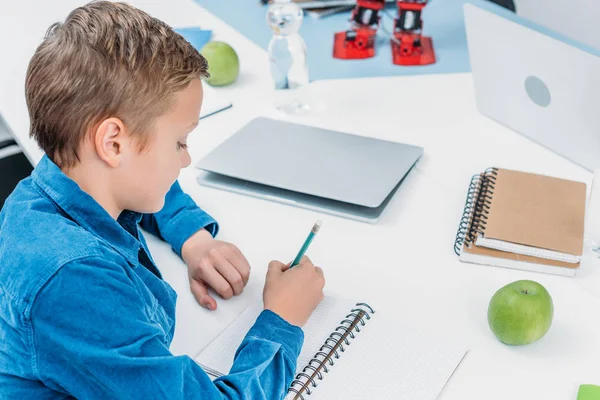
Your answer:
<point x="521" y="312"/>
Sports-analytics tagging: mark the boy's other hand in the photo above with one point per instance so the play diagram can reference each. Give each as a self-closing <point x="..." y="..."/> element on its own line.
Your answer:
<point x="215" y="264"/>
<point x="294" y="293"/>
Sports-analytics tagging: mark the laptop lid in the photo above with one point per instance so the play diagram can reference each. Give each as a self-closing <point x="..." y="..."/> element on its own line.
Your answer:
<point x="312" y="161"/>
<point x="577" y="19"/>
<point x="536" y="81"/>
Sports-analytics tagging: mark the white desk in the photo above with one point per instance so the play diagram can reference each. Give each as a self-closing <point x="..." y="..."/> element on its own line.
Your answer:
<point x="405" y="264"/>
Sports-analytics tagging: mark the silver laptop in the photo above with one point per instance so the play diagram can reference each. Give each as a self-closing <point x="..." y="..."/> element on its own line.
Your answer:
<point x="318" y="169"/>
<point x="536" y="81"/>
<point x="580" y="22"/>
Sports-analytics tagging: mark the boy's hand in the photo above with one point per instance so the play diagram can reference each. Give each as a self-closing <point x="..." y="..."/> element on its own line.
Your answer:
<point x="294" y="293"/>
<point x="215" y="264"/>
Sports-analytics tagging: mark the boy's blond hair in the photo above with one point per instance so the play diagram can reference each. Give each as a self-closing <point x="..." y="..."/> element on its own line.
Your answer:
<point x="106" y="60"/>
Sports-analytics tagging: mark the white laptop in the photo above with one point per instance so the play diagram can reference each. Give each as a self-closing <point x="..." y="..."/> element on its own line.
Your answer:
<point x="324" y="170"/>
<point x="577" y="19"/>
<point x="538" y="82"/>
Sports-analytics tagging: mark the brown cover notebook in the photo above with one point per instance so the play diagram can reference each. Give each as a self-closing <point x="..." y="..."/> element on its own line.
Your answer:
<point x="523" y="211"/>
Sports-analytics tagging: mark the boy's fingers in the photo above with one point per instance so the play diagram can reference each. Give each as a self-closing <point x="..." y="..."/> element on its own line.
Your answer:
<point x="305" y="260"/>
<point x="208" y="274"/>
<point x="200" y="292"/>
<point x="237" y="259"/>
<point x="319" y="271"/>
<point x="304" y="263"/>
<point x="229" y="272"/>
<point x="286" y="266"/>
<point x="275" y="268"/>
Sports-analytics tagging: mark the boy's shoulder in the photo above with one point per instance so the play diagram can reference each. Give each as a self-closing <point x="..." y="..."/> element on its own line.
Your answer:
<point x="36" y="240"/>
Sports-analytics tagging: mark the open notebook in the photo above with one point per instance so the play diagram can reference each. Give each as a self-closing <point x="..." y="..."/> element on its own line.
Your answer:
<point x="352" y="352"/>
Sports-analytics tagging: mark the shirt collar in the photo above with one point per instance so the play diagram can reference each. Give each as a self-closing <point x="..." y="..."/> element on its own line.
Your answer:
<point x="85" y="211"/>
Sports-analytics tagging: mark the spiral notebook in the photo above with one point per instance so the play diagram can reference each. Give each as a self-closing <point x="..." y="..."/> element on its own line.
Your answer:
<point x="525" y="221"/>
<point x="351" y="351"/>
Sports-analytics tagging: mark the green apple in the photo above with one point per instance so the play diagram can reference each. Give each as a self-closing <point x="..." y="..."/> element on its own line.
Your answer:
<point x="223" y="63"/>
<point x="520" y="312"/>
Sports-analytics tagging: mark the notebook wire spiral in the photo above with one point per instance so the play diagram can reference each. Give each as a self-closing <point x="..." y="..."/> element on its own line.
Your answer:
<point x="330" y="351"/>
<point x="477" y="209"/>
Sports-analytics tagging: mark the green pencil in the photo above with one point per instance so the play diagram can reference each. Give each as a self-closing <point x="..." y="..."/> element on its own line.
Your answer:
<point x="307" y="242"/>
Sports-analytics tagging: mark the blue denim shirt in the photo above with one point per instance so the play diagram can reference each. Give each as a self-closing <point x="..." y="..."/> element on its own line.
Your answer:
<point x="85" y="313"/>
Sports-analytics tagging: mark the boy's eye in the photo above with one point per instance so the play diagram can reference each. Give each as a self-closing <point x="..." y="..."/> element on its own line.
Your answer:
<point x="181" y="146"/>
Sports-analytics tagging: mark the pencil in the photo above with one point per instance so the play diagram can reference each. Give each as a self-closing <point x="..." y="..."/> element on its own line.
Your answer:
<point x="307" y="242"/>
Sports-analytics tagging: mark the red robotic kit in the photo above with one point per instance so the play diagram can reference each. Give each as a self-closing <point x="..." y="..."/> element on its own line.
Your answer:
<point x="409" y="46"/>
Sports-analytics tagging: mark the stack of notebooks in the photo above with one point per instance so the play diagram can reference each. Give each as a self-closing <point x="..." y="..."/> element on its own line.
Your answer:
<point x="523" y="221"/>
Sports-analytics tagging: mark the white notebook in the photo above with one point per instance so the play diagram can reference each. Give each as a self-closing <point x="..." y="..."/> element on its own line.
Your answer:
<point x="352" y="352"/>
<point x="213" y="102"/>
<point x="526" y="250"/>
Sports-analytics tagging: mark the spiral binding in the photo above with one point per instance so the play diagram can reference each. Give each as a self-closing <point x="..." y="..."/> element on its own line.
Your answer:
<point x="477" y="209"/>
<point x="318" y="366"/>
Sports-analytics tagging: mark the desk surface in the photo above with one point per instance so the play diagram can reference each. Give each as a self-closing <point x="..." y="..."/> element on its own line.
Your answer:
<point x="404" y="264"/>
<point x="443" y="22"/>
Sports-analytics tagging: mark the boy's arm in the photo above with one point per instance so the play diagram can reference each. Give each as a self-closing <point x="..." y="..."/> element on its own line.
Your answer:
<point x="95" y="337"/>
<point x="179" y="219"/>
<point x="190" y="232"/>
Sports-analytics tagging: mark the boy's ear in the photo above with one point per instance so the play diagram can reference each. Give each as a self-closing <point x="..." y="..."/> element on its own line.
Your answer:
<point x="110" y="141"/>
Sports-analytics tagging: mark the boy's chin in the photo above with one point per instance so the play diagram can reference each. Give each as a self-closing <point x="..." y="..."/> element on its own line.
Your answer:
<point x="152" y="208"/>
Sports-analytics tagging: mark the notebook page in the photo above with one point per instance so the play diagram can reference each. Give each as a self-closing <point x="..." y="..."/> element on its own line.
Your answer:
<point x="219" y="354"/>
<point x="389" y="360"/>
<point x="526" y="250"/>
<point x="496" y="258"/>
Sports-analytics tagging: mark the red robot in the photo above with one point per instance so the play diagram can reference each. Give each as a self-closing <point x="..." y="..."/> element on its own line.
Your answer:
<point x="409" y="47"/>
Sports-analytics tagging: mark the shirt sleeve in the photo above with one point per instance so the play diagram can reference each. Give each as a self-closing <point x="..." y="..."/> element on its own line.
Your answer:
<point x="179" y="219"/>
<point x="94" y="337"/>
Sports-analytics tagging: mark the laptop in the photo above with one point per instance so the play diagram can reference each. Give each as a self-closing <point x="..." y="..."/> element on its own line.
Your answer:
<point x="538" y="82"/>
<point x="318" y="169"/>
<point x="577" y="19"/>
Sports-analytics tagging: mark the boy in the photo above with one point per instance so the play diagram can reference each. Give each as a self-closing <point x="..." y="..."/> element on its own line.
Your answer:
<point x="112" y="95"/>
